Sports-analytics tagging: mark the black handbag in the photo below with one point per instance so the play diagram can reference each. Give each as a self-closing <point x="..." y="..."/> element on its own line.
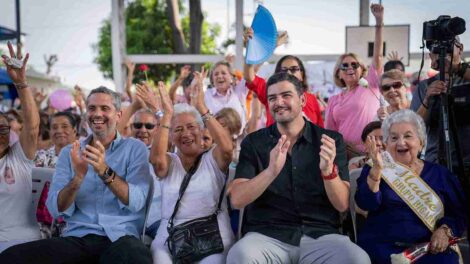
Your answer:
<point x="196" y="239"/>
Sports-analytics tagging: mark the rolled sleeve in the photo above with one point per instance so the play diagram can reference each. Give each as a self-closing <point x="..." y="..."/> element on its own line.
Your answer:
<point x="138" y="179"/>
<point x="365" y="198"/>
<point x="62" y="176"/>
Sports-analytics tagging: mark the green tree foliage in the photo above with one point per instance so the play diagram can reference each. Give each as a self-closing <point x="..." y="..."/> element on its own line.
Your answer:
<point x="148" y="32"/>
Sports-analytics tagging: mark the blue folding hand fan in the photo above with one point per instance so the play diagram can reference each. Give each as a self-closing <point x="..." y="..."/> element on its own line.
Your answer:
<point x="263" y="43"/>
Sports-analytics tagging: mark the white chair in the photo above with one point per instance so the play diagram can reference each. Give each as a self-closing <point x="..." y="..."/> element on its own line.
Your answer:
<point x="353" y="176"/>
<point x="40" y="177"/>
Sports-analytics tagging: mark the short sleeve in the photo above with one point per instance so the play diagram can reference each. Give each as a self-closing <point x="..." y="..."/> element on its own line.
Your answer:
<point x="247" y="166"/>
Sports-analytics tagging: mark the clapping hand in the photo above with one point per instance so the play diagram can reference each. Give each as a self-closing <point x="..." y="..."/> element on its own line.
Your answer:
<point x="277" y="156"/>
<point x="146" y="95"/>
<point x="327" y="154"/>
<point x="95" y="156"/>
<point x="167" y="104"/>
<point x="197" y="92"/>
<point x="375" y="154"/>
<point x="80" y="166"/>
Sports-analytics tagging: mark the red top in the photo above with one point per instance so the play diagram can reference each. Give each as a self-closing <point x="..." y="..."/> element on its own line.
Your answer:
<point x="311" y="109"/>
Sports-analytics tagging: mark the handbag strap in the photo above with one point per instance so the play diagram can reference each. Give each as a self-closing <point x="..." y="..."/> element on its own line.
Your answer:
<point x="184" y="185"/>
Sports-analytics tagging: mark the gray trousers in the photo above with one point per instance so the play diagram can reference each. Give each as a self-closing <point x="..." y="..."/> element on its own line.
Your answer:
<point x="332" y="249"/>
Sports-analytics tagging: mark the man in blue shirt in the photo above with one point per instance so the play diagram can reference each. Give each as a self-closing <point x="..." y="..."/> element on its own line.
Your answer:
<point x="100" y="188"/>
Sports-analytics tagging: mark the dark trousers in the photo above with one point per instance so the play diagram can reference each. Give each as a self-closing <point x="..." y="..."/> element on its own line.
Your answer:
<point x="87" y="249"/>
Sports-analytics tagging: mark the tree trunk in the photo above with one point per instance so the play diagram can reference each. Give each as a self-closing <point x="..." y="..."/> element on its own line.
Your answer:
<point x="176" y="28"/>
<point x="195" y="20"/>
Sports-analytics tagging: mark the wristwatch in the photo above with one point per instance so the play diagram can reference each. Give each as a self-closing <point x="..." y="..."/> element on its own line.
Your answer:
<point x="108" y="173"/>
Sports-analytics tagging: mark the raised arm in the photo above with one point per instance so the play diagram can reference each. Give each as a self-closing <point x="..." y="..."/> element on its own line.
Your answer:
<point x="158" y="153"/>
<point x="224" y="147"/>
<point x="378" y="12"/>
<point x="16" y="69"/>
<point x="184" y="73"/>
<point x="130" y="76"/>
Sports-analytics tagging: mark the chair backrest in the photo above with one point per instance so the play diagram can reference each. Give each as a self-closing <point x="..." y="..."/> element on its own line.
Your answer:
<point x="353" y="176"/>
<point x="148" y="203"/>
<point x="40" y="177"/>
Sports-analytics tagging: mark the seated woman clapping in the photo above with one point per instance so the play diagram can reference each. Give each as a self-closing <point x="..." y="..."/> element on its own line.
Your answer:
<point x="183" y="125"/>
<point x="409" y="200"/>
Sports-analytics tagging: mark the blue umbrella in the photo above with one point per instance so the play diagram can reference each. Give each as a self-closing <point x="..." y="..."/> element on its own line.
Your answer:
<point x="263" y="43"/>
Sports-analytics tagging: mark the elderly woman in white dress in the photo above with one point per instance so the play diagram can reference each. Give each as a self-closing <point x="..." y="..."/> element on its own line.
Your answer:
<point x="183" y="124"/>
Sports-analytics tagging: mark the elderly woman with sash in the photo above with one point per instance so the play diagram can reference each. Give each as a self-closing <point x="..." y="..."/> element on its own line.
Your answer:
<point x="409" y="200"/>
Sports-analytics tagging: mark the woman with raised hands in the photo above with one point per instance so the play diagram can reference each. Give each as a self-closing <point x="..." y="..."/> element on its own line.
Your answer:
<point x="182" y="124"/>
<point x="292" y="65"/>
<point x="17" y="222"/>
<point x="351" y="110"/>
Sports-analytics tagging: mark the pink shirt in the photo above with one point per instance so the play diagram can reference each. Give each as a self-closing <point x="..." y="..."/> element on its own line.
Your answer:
<point x="349" y="112"/>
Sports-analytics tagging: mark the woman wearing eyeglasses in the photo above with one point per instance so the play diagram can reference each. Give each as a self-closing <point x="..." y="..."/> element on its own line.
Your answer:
<point x="350" y="111"/>
<point x="292" y="65"/>
<point x="392" y="88"/>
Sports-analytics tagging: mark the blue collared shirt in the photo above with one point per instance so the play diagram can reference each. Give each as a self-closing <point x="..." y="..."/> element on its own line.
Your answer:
<point x="96" y="210"/>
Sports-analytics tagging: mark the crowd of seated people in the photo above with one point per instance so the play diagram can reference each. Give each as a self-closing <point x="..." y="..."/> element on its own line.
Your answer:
<point x="282" y="168"/>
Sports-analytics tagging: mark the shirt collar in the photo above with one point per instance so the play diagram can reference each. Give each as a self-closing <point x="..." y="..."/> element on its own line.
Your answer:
<point x="306" y="131"/>
<point x="113" y="145"/>
<point x="215" y="93"/>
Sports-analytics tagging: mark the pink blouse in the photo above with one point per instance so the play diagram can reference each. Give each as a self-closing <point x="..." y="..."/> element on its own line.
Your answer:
<point x="350" y="111"/>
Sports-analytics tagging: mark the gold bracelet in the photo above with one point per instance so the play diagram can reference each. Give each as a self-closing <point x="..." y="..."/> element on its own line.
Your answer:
<point x="165" y="126"/>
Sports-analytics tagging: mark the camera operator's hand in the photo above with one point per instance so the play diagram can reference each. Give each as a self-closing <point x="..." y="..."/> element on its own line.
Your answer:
<point x="435" y="88"/>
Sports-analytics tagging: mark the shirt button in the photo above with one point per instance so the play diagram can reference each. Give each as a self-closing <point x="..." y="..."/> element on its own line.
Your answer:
<point x="294" y="167"/>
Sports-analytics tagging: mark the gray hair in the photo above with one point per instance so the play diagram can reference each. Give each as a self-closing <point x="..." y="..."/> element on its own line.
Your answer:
<point x="405" y="116"/>
<point x="184" y="108"/>
<point x="146" y="111"/>
<point x="114" y="96"/>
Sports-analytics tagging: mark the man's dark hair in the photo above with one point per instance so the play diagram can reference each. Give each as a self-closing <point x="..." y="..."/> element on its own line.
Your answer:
<point x="68" y="115"/>
<point x="301" y="66"/>
<point x="369" y="128"/>
<point x="115" y="96"/>
<point x="390" y="65"/>
<point x="284" y="76"/>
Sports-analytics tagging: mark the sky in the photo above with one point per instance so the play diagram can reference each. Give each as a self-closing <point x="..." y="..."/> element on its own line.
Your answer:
<point x="69" y="28"/>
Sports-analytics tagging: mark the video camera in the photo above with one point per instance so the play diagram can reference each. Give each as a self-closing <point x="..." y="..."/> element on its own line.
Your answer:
<point x="441" y="32"/>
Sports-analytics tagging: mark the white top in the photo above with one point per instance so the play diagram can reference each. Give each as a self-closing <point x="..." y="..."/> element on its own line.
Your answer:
<point x="200" y="198"/>
<point x="155" y="211"/>
<point x="18" y="217"/>
<point x="235" y="98"/>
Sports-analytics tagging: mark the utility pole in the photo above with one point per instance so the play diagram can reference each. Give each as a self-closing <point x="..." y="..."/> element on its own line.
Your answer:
<point x="364" y="13"/>
<point x="18" y="22"/>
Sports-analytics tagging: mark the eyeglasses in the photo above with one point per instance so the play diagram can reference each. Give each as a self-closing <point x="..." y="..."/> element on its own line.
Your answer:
<point x="139" y="125"/>
<point x="345" y="66"/>
<point x="4" y="130"/>
<point x="292" y="69"/>
<point x="395" y="85"/>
